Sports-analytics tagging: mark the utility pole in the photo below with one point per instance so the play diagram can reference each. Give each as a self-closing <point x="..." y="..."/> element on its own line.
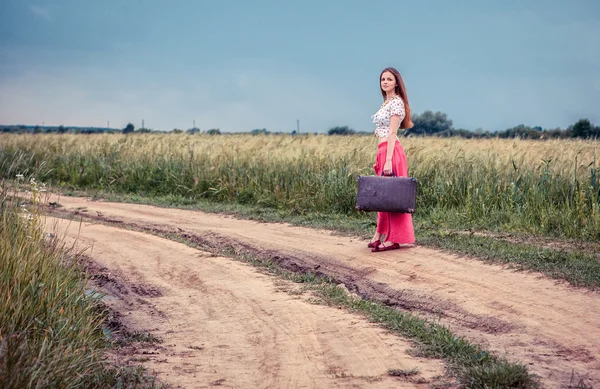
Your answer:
<point x="298" y="126"/>
<point x="108" y="124"/>
<point x="143" y="123"/>
<point x="194" y="123"/>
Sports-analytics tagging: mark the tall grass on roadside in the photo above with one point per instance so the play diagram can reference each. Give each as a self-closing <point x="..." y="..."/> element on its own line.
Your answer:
<point x="549" y="187"/>
<point x="50" y="333"/>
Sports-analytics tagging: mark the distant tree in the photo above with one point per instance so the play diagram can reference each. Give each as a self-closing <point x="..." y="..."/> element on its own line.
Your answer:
<point x="61" y="129"/>
<point x="462" y="133"/>
<point x="430" y="122"/>
<point x="194" y="130"/>
<point x="258" y="131"/>
<point x="343" y="130"/>
<point x="583" y="129"/>
<point x="521" y="131"/>
<point x="129" y="128"/>
<point x="37" y="130"/>
<point x="555" y="133"/>
<point x="143" y="130"/>
<point x="213" y="131"/>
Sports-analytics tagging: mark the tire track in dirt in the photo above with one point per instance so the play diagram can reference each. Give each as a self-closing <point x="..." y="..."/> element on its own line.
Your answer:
<point x="545" y="324"/>
<point x="225" y="324"/>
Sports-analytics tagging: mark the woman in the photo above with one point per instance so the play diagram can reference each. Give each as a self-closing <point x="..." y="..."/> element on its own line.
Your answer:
<point x="391" y="159"/>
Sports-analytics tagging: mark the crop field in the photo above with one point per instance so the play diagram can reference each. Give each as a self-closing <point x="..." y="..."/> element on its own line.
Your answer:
<point x="544" y="187"/>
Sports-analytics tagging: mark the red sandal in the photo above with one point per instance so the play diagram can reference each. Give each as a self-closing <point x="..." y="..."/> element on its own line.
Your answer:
<point x="374" y="244"/>
<point x="393" y="246"/>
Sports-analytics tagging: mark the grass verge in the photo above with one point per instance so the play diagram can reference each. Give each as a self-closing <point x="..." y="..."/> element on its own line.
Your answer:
<point x="51" y="333"/>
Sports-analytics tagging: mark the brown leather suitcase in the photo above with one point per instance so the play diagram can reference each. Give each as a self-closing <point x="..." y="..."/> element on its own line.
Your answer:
<point x="386" y="194"/>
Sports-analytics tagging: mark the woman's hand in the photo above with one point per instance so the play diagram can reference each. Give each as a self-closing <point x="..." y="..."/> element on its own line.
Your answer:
<point x="387" y="168"/>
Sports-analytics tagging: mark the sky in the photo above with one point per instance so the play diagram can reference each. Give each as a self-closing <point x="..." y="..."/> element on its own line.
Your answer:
<point x="242" y="65"/>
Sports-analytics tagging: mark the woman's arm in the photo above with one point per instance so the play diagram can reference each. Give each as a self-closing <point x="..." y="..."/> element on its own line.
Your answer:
<point x="397" y="114"/>
<point x="394" y="125"/>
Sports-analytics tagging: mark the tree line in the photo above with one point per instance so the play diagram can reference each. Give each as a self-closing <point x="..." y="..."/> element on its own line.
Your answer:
<point x="431" y="123"/>
<point x="428" y="123"/>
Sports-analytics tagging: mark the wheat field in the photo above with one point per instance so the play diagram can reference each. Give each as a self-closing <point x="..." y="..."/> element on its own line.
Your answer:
<point x="550" y="187"/>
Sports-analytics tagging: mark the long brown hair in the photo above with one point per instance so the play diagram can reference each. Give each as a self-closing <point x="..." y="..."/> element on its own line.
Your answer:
<point x="400" y="90"/>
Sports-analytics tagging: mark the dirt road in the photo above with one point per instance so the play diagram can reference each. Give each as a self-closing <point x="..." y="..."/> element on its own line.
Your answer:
<point x="547" y="325"/>
<point x="225" y="324"/>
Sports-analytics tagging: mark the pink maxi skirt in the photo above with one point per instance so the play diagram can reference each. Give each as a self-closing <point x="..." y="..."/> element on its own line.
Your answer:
<point x="397" y="227"/>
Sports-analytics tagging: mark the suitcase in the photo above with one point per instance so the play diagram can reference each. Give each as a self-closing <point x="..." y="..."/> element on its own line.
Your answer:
<point x="386" y="194"/>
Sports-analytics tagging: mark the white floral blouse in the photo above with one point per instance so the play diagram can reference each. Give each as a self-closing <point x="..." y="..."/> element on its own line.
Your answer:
<point x="382" y="117"/>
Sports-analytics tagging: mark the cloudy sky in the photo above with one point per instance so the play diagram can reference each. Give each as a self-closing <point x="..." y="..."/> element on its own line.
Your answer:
<point x="240" y="65"/>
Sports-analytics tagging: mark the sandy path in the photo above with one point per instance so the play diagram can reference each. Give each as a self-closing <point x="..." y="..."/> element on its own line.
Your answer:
<point x="545" y="324"/>
<point x="225" y="324"/>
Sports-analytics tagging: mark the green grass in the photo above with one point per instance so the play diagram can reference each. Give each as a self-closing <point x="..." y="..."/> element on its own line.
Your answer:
<point x="51" y="333"/>
<point x="130" y="377"/>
